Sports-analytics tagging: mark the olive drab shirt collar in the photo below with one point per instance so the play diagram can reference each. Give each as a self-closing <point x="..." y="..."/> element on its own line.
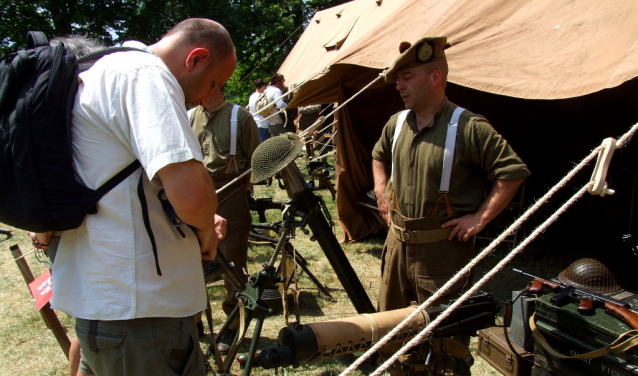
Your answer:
<point x="411" y="120"/>
<point x="216" y="109"/>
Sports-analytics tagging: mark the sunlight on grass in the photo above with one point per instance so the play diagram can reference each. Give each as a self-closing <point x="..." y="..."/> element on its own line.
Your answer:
<point x="27" y="347"/>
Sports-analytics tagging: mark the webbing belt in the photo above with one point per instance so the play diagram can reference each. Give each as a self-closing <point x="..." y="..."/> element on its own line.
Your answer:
<point x="420" y="236"/>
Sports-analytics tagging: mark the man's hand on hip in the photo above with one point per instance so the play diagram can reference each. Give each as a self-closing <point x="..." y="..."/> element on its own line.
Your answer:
<point x="465" y="227"/>
<point x="382" y="204"/>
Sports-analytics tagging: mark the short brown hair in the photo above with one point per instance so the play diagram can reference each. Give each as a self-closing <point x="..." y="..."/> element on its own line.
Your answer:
<point x="276" y="77"/>
<point x="259" y="83"/>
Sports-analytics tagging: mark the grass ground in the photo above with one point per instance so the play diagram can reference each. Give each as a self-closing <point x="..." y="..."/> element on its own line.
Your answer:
<point x="27" y="347"/>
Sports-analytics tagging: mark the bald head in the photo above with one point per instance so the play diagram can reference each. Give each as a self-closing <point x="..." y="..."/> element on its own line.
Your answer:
<point x="200" y="54"/>
<point x="202" y="32"/>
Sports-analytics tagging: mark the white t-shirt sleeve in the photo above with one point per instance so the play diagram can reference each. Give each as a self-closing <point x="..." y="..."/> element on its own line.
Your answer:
<point x="160" y="133"/>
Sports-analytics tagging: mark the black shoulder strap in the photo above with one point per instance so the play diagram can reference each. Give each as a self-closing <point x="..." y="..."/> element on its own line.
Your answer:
<point x="117" y="179"/>
<point x="147" y="221"/>
<point x="36" y="39"/>
<point x="107" y="51"/>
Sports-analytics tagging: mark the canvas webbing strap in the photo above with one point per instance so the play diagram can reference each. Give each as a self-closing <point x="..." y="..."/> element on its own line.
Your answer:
<point x="448" y="155"/>
<point x="233" y="140"/>
<point x="448" y="160"/>
<point x="373" y="327"/>
<point x="397" y="129"/>
<point x="240" y="335"/>
<point x="623" y="343"/>
<point x="233" y="130"/>
<point x="420" y="236"/>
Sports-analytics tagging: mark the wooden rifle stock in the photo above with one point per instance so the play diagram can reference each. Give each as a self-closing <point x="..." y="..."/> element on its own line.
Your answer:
<point x="622" y="313"/>
<point x="585" y="306"/>
<point x="538" y="284"/>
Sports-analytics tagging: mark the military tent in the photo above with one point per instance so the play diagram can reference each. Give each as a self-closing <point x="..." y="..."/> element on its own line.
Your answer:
<point x="553" y="76"/>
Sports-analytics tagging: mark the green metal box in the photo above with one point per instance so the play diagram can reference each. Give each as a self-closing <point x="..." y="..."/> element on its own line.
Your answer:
<point x="571" y="334"/>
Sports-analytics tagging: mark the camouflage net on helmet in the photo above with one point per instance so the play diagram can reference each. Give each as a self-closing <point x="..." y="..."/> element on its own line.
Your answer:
<point x="590" y="274"/>
<point x="273" y="155"/>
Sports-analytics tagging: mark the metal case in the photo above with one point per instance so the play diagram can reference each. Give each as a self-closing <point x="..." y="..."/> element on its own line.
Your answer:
<point x="494" y="349"/>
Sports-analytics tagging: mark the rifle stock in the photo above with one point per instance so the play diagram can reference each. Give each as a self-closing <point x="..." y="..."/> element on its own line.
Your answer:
<point x="586" y="300"/>
<point x="622" y="314"/>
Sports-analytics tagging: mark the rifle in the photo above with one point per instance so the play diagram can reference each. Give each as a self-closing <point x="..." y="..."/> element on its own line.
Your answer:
<point x="260" y="205"/>
<point x="586" y="300"/>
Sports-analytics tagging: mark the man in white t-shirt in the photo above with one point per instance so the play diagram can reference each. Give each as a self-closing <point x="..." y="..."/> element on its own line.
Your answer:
<point x="131" y="279"/>
<point x="260" y="86"/>
<point x="273" y="92"/>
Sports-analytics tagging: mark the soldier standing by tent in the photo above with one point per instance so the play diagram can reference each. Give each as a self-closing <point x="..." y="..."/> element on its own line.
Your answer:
<point x="433" y="205"/>
<point x="228" y="136"/>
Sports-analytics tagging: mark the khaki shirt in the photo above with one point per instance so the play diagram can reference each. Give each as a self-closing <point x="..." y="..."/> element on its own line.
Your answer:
<point x="481" y="155"/>
<point x="213" y="134"/>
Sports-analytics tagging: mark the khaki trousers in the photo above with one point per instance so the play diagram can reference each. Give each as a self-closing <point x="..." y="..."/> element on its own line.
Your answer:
<point x="414" y="272"/>
<point x="235" y="246"/>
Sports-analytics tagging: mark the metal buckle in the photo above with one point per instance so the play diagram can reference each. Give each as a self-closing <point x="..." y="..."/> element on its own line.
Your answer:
<point x="407" y="236"/>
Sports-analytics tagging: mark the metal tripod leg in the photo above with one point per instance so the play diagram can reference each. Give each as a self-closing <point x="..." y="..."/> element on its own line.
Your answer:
<point x="314" y="279"/>
<point x="253" y="343"/>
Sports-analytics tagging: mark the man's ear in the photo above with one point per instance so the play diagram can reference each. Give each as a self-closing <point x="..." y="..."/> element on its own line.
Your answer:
<point x="197" y="59"/>
<point x="436" y="77"/>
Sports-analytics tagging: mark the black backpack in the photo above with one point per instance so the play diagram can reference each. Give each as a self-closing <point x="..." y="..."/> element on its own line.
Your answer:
<point x="38" y="188"/>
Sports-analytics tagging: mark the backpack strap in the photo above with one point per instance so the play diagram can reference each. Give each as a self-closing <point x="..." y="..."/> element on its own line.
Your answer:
<point x="117" y="179"/>
<point x="147" y="220"/>
<point x="397" y="129"/>
<point x="107" y="51"/>
<point x="36" y="39"/>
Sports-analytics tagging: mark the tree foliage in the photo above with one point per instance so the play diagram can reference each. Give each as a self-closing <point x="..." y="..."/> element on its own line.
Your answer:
<point x="258" y="27"/>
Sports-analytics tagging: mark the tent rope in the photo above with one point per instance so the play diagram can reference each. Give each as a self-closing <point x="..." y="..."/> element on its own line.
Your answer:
<point x="291" y="90"/>
<point x="312" y="127"/>
<point x="428" y="329"/>
<point x="323" y="156"/>
<point x="317" y="124"/>
<point x="326" y="144"/>
<point x="620" y="143"/>
<point x="269" y="55"/>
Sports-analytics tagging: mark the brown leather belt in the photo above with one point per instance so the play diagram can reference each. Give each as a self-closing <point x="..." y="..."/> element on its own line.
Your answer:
<point x="421" y="236"/>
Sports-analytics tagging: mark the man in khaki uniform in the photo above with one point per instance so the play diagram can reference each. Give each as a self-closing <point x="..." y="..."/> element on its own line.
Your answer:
<point x="212" y="124"/>
<point x="430" y="227"/>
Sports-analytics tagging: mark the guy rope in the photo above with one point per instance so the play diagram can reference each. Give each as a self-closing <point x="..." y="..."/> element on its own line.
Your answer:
<point x="313" y="127"/>
<point x="463" y="272"/>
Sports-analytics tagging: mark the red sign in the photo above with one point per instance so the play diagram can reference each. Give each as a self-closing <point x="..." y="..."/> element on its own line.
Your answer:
<point x="42" y="289"/>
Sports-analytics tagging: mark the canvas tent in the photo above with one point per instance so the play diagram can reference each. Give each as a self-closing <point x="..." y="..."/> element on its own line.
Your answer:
<point x="545" y="72"/>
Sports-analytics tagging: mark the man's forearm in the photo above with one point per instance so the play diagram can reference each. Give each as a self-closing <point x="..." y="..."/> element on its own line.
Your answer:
<point x="190" y="190"/>
<point x="500" y="195"/>
<point x="379" y="172"/>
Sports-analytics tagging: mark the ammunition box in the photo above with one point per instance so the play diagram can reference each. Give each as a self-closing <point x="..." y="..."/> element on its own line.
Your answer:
<point x="571" y="334"/>
<point x="494" y="349"/>
<point x="520" y="333"/>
